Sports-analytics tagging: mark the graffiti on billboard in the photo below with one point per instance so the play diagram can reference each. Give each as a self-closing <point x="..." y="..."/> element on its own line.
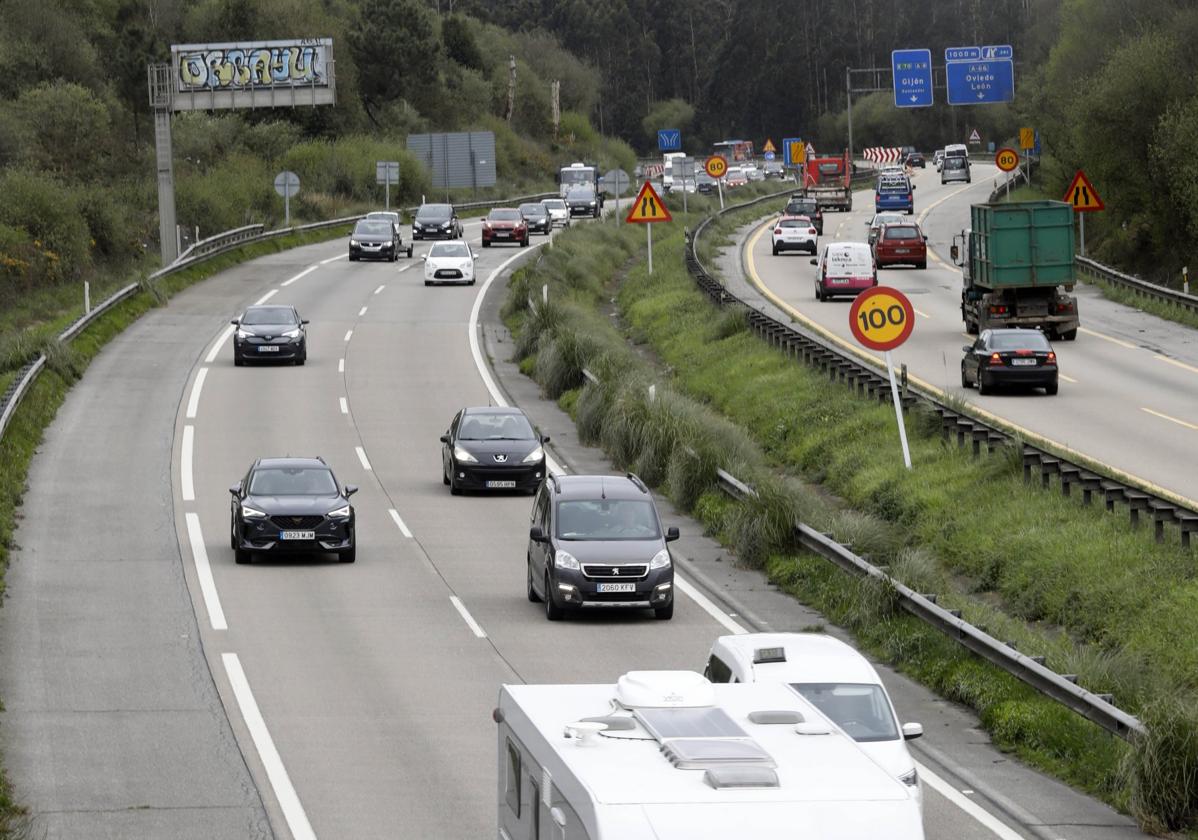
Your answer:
<point x="246" y="66"/>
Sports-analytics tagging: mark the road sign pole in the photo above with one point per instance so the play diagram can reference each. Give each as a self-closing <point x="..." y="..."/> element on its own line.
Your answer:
<point x="898" y="410"/>
<point x="719" y="185"/>
<point x="1081" y="226"/>
<point x="848" y="89"/>
<point x="649" y="233"/>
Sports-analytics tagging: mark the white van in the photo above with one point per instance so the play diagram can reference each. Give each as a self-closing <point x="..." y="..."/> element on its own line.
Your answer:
<point x="956" y="150"/>
<point x="844" y="269"/>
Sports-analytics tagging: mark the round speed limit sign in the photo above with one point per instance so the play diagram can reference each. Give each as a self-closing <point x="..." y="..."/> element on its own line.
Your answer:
<point x="716" y="166"/>
<point x="881" y="318"/>
<point x="1007" y="159"/>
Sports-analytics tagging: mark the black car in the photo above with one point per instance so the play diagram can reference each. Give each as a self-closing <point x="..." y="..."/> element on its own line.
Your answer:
<point x="916" y="159"/>
<point x="492" y="448"/>
<point x="391" y="216"/>
<point x="800" y="205"/>
<point x="290" y="506"/>
<point x="374" y="239"/>
<point x="537" y="217"/>
<point x="1009" y="357"/>
<point x="596" y="541"/>
<point x="274" y="333"/>
<point x="436" y="221"/>
<point x="583" y="201"/>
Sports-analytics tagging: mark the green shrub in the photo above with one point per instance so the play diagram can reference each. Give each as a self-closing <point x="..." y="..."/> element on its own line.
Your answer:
<point x="48" y="212"/>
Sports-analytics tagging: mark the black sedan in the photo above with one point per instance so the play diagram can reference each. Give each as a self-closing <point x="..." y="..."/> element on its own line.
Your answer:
<point x="1009" y="357"/>
<point x="492" y="448"/>
<point x="291" y="506"/>
<point x="916" y="159"/>
<point x="270" y="333"/>
<point x="374" y="239"/>
<point x="436" y="221"/>
<point x="536" y="217"/>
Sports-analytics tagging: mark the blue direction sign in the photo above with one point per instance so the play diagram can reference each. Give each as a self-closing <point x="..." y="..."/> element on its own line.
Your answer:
<point x="912" y="78"/>
<point x="669" y="140"/>
<point x="790" y="145"/>
<point x="979" y="75"/>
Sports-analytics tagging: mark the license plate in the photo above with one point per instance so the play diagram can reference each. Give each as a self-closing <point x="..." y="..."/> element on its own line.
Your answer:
<point x="1023" y="362"/>
<point x="617" y="587"/>
<point x="501" y="485"/>
<point x="268" y="348"/>
<point x="297" y="535"/>
<point x="901" y="251"/>
<point x="499" y="235"/>
<point x="838" y="281"/>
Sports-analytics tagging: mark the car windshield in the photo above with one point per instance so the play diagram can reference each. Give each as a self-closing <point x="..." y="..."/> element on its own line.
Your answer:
<point x="581" y="194"/>
<point x="902" y="232"/>
<point x="495" y="427"/>
<point x="860" y="709"/>
<point x="1022" y="340"/>
<point x="554" y="204"/>
<point x="581" y="175"/>
<point x="372" y="227"/>
<point x="449" y="249"/>
<point x="534" y="210"/>
<point x="606" y="519"/>
<point x="293" y="481"/>
<point x="434" y="212"/>
<point x="504" y="216"/>
<point x="268" y="315"/>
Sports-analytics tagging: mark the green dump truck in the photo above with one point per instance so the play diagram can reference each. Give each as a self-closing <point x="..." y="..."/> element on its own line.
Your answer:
<point x="1017" y="263"/>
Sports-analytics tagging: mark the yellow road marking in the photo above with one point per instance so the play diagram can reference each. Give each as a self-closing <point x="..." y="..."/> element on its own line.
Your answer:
<point x="1026" y="434"/>
<point x="1176" y="363"/>
<point x="1118" y="341"/>
<point x="1170" y="419"/>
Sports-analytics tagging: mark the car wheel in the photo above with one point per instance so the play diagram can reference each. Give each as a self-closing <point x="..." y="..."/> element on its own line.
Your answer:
<point x="819" y="293"/>
<point x="352" y="258"/>
<point x="454" y="490"/>
<point x="1051" y="390"/>
<point x="233" y="533"/>
<point x="552" y="611"/>
<point x="349" y="556"/>
<point x="486" y="244"/>
<point x="965" y="383"/>
<point x="523" y="243"/>
<point x="664" y="613"/>
<point x="409" y="252"/>
<point x="983" y="387"/>
<point x="302" y="358"/>
<point x="532" y="593"/>
<point x="241" y="557"/>
<point x="428" y="282"/>
<point x="923" y="264"/>
<point x="238" y="361"/>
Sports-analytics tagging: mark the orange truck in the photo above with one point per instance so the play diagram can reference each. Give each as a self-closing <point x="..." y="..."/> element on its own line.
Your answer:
<point x="828" y="181"/>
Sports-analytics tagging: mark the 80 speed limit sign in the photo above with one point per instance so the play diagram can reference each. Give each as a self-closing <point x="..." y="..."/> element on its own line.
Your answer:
<point x="881" y="318"/>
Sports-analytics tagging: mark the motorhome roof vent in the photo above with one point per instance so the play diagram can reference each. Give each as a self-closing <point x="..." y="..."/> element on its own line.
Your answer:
<point x="740" y="776"/>
<point x="769" y="716"/>
<point x="664" y="689"/>
<point x="700" y="753"/>
<point x="708" y="722"/>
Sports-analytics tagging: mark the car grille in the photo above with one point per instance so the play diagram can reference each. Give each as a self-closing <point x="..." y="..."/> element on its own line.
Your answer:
<point x="594" y="570"/>
<point x="446" y="273"/>
<point x="296" y="523"/>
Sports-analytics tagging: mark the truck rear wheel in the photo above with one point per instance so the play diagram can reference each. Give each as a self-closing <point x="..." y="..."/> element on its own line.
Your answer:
<point x="1069" y="335"/>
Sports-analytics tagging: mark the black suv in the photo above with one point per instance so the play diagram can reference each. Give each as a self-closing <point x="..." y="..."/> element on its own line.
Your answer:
<point x="436" y="221"/>
<point x="801" y="205"/>
<point x="291" y="505"/>
<point x="596" y="541"/>
<point x="272" y="333"/>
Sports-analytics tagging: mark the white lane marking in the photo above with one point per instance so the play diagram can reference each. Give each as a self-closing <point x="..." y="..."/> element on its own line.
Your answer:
<point x="280" y="782"/>
<point x="334" y="259"/>
<point x="199" y="556"/>
<point x="193" y="402"/>
<point x="1170" y="419"/>
<point x="220" y="342"/>
<point x="344" y="406"/>
<point x="186" y="484"/>
<point x="1120" y="342"/>
<point x="707" y="605"/>
<point x="341" y="365"/>
<point x="266" y="297"/>
<point x="303" y="273"/>
<point x="361" y="311"/>
<point x="380" y="288"/>
<point x="362" y="457"/>
<point x="922" y="314"/>
<point x="1067" y="378"/>
<point x="406" y="267"/>
<point x="348" y="333"/>
<point x="1176" y="363"/>
<point x="467" y="617"/>
<point x="399" y="523"/>
<point x="987" y="820"/>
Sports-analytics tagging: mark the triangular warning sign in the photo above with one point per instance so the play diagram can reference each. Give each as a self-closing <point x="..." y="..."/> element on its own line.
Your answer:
<point x="769" y="146"/>
<point x="648" y="207"/>
<point x="974" y="137"/>
<point x="1082" y="195"/>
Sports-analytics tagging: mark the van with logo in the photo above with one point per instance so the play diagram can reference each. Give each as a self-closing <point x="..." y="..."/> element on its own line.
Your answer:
<point x="845" y="269"/>
<point x="894" y="193"/>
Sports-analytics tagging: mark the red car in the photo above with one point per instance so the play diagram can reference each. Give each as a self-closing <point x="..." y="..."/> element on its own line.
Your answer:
<point x="901" y="242"/>
<point x="505" y="224"/>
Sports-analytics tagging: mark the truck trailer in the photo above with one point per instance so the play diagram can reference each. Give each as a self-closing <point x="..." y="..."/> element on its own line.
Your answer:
<point x="829" y="181"/>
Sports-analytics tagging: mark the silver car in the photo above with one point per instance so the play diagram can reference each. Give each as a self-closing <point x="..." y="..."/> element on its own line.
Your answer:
<point x="954" y="168"/>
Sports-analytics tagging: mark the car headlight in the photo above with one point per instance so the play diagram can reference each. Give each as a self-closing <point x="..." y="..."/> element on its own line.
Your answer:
<point x="565" y="560"/>
<point x="592" y="204"/>
<point x="447" y="224"/>
<point x="251" y="513"/>
<point x="911" y="778"/>
<point x="461" y="454"/>
<point x="291" y="333"/>
<point x="467" y="266"/>
<point x="354" y="242"/>
<point x="536" y="455"/>
<point x="243" y="334"/>
<point x="339" y="513"/>
<point x="661" y="560"/>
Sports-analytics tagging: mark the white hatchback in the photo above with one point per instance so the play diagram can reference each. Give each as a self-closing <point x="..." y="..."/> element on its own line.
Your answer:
<point x="557" y="210"/>
<point x="449" y="262"/>
<point x="836" y="679"/>
<point x="793" y="233"/>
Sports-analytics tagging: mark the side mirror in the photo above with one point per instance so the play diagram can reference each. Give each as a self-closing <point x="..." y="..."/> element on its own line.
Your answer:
<point x="968" y="348"/>
<point x="925" y="237"/>
<point x="424" y="257"/>
<point x="536" y="534"/>
<point x="672" y="534"/>
<point x="350" y="489"/>
<point x="482" y="218"/>
<point x="444" y="438"/>
<point x="913" y="188"/>
<point x="305" y="321"/>
<point x="954" y="253"/>
<point x="869" y="224"/>
<point x="911" y="731"/>
<point x="236" y="322"/>
<point x="235" y="489"/>
<point x="545" y="438"/>
<point x="814" y="261"/>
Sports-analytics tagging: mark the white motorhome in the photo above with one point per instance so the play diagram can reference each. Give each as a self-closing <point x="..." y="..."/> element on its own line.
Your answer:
<point x="667" y="172"/>
<point x="668" y="755"/>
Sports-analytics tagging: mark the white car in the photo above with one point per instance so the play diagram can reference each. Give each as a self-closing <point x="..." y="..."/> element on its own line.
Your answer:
<point x="793" y="233"/>
<point x="449" y="262"/>
<point x="836" y="679"/>
<point x="879" y="219"/>
<point x="558" y="211"/>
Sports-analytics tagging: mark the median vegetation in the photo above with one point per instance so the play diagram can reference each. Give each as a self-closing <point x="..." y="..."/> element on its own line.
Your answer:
<point x="1071" y="582"/>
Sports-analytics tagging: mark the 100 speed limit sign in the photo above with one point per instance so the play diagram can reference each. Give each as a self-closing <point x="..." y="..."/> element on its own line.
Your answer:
<point x="881" y="318"/>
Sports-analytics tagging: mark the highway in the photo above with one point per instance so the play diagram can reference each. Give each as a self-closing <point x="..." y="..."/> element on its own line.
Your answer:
<point x="1129" y="383"/>
<point x="300" y="698"/>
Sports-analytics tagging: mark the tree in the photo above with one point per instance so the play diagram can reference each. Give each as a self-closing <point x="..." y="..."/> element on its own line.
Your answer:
<point x="395" y="50"/>
<point x="672" y="113"/>
<point x="459" y="43"/>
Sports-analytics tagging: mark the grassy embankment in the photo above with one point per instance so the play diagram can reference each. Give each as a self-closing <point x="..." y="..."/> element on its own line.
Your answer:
<point x="1040" y="570"/>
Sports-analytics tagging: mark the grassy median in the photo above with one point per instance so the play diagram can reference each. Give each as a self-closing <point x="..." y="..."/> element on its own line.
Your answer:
<point x="1054" y="577"/>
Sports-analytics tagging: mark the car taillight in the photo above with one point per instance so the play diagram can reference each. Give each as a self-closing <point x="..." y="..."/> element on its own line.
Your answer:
<point x="777" y="231"/>
<point x="1050" y="359"/>
<point x="995" y="359"/>
<point x="811" y="230"/>
<point x="1065" y="306"/>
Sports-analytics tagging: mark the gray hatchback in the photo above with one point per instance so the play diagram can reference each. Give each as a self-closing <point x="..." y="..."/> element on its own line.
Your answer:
<point x="955" y="169"/>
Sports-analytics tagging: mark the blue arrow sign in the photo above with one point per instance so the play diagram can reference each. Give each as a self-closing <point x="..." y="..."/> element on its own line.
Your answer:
<point x="787" y="144"/>
<point x="669" y="140"/>
<point x="979" y="75"/>
<point x="912" y="78"/>
<point x="769" y="155"/>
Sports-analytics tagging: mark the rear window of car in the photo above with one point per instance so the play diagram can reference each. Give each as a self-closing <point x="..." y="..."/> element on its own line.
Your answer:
<point x="794" y="223"/>
<point x="901" y="232"/>
<point x="606" y="519"/>
<point x="954" y="163"/>
<point x="894" y="185"/>
<point x="1029" y="340"/>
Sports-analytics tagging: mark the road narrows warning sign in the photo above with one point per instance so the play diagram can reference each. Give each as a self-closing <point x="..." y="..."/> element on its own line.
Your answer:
<point x="1082" y="195"/>
<point x="648" y="207"/>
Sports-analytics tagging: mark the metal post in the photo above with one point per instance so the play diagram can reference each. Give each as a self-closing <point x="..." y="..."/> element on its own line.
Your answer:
<point x="1185" y="279"/>
<point x="287" y="207"/>
<point x="649" y="233"/>
<point x="719" y="185"/>
<point x="898" y="410"/>
<point x="848" y="89"/>
<point x="166" y="186"/>
<point x="387" y="189"/>
<point x="87" y="297"/>
<point x="178" y="239"/>
<point x="683" y="209"/>
<point x="1081" y="225"/>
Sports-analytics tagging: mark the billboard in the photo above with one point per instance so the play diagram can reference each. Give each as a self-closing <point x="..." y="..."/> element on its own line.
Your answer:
<point x="252" y="74"/>
<point x="456" y="159"/>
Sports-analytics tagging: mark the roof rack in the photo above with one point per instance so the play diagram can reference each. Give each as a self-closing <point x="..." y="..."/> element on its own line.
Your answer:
<point x="635" y="479"/>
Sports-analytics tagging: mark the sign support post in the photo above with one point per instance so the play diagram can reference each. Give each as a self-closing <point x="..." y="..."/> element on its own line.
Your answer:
<point x="1081" y="232"/>
<point x="649" y="234"/>
<point x="883" y="318"/>
<point x="898" y="410"/>
<point x="1084" y="199"/>
<point x="648" y="209"/>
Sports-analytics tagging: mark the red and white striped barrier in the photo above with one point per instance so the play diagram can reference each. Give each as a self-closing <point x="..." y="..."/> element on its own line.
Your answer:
<point x="883" y="154"/>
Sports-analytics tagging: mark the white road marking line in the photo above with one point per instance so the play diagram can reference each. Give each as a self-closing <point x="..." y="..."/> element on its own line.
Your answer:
<point x="922" y="314"/>
<point x="220" y="342"/>
<point x="987" y="820"/>
<point x="1170" y="419"/>
<point x="467" y="617"/>
<point x="341" y="365"/>
<point x="1176" y="363"/>
<point x="186" y="484"/>
<point x="1118" y="341"/>
<point x="266" y="297"/>
<point x="334" y="259"/>
<point x="362" y="457"/>
<point x="406" y="267"/>
<point x="380" y="288"/>
<point x="399" y="523"/>
<point x="706" y="604"/>
<point x="361" y="311"/>
<point x="1067" y="378"/>
<point x="280" y="782"/>
<point x="344" y="406"/>
<point x="193" y="402"/>
<point x="199" y="556"/>
<point x="348" y="333"/>
<point x="303" y="273"/>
